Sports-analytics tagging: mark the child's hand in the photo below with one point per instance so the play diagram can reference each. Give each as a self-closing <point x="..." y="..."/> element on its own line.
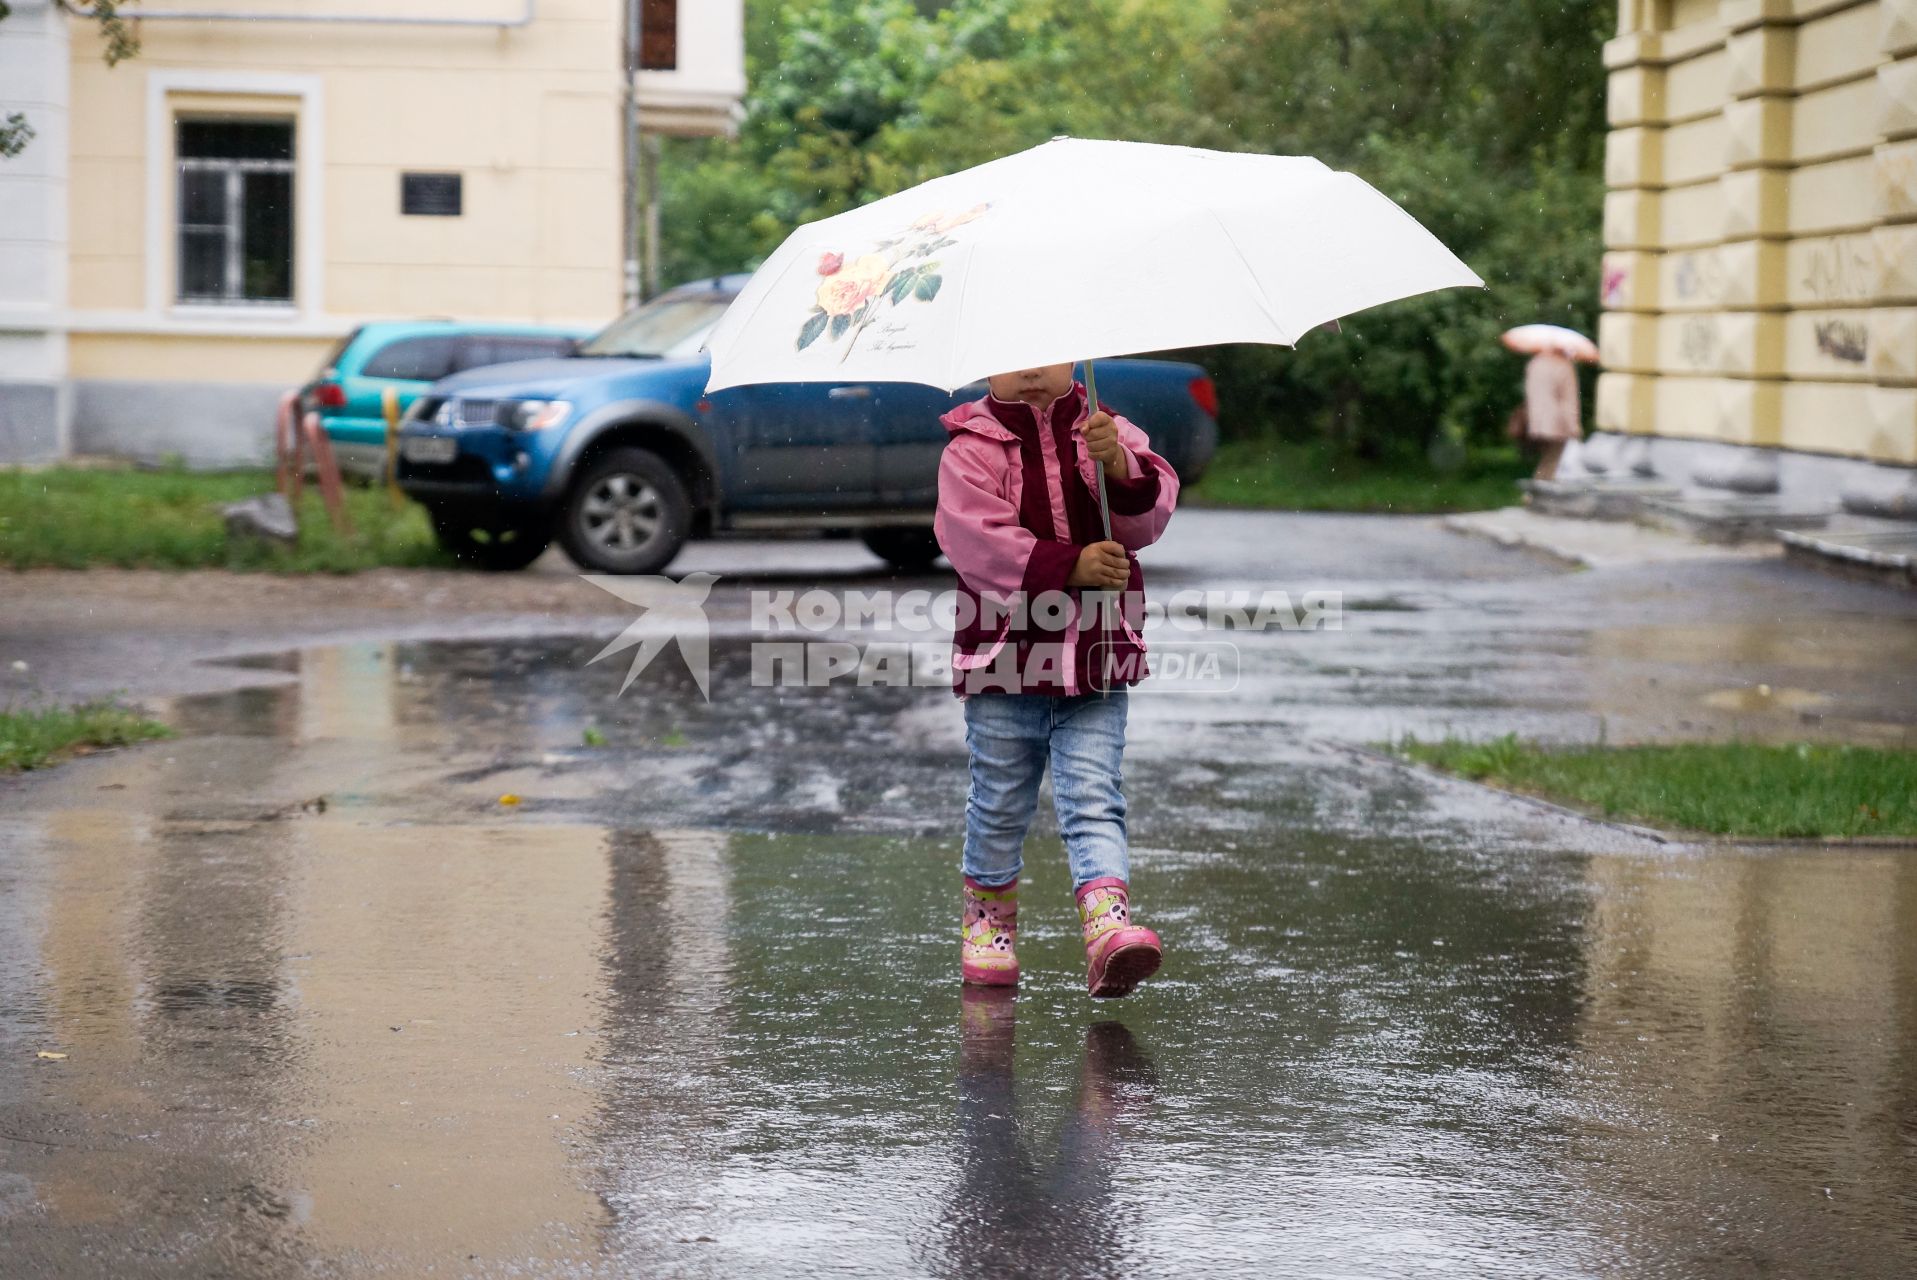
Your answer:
<point x="1103" y="566"/>
<point x="1101" y="441"/>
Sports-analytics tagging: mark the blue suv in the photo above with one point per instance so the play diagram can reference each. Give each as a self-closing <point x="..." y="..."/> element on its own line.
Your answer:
<point x="618" y="453"/>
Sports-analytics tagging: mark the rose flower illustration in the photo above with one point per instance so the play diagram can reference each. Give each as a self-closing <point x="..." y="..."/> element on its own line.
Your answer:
<point x="851" y="295"/>
<point x="841" y="292"/>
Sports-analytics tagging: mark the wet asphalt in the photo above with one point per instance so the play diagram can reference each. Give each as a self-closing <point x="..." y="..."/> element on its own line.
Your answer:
<point x="689" y="1007"/>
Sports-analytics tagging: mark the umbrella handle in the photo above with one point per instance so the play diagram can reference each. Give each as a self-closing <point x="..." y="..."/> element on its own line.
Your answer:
<point x="1104" y="516"/>
<point x="1091" y="407"/>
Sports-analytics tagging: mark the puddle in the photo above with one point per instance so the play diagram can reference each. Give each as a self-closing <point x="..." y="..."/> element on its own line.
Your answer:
<point x="691" y="1009"/>
<point x="1763" y="698"/>
<point x="495" y="1050"/>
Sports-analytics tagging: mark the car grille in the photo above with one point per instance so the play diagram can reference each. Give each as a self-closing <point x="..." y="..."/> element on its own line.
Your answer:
<point x="474" y="413"/>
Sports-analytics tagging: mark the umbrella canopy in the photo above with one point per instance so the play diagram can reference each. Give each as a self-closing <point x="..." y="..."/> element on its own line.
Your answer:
<point x="1074" y="250"/>
<point x="1550" y="339"/>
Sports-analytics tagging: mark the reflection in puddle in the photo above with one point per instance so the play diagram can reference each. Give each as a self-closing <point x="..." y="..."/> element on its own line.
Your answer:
<point x="1818" y="680"/>
<point x="626" y="1029"/>
<point x="1761" y="698"/>
<point x="1814" y="642"/>
<point x="1819" y="677"/>
<point x="1048" y="1211"/>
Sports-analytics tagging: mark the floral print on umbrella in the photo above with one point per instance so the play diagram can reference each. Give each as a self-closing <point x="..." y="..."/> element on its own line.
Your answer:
<point x="851" y="294"/>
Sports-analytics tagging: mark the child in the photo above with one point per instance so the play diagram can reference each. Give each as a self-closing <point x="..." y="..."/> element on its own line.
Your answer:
<point x="1043" y="675"/>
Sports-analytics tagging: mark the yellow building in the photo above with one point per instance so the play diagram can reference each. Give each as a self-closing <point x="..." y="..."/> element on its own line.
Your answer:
<point x="1760" y="279"/>
<point x="191" y="231"/>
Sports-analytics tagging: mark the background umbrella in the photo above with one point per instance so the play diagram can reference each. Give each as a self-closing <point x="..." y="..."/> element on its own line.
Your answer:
<point x="1074" y="250"/>
<point x="1550" y="339"/>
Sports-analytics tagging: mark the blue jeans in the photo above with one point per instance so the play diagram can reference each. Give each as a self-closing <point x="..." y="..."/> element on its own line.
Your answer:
<point x="1011" y="736"/>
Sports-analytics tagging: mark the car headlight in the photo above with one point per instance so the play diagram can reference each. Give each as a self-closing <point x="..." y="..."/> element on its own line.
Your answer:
<point x="535" y="415"/>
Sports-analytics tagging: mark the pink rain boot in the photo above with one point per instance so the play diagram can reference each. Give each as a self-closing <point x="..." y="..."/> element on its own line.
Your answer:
<point x="986" y="950"/>
<point x="1119" y="954"/>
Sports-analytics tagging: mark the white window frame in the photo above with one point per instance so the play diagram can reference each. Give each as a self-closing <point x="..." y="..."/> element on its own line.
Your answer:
<point x="303" y="100"/>
<point x="232" y="219"/>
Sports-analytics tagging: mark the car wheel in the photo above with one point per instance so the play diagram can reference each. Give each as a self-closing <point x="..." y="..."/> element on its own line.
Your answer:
<point x="496" y="546"/>
<point x="910" y="549"/>
<point x="627" y="512"/>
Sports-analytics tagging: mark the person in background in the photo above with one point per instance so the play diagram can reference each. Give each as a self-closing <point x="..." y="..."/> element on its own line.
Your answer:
<point x="1552" y="414"/>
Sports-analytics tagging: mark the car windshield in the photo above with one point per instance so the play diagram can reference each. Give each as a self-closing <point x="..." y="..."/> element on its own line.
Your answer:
<point x="665" y="327"/>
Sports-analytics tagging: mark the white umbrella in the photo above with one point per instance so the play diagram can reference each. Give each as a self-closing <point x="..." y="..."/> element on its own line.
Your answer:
<point x="1070" y="251"/>
<point x="1553" y="339"/>
<point x="1073" y="250"/>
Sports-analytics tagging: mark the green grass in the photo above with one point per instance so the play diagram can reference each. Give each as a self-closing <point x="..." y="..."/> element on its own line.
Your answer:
<point x="1314" y="477"/>
<point x="34" y="739"/>
<point x="1731" y="788"/>
<point x="76" y="518"/>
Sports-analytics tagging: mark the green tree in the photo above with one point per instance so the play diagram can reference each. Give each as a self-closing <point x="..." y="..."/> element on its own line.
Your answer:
<point x="828" y="76"/>
<point x="1484" y="118"/>
<point x="851" y="100"/>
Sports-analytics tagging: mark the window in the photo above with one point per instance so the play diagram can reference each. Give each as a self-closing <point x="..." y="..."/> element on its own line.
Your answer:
<point x="433" y="195"/>
<point x="658" y="35"/>
<point x="413" y="359"/>
<point x="481" y="350"/>
<point x="235" y="210"/>
<point x="669" y="326"/>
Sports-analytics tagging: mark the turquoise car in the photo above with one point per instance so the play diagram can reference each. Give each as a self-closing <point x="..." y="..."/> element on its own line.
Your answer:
<point x="409" y="356"/>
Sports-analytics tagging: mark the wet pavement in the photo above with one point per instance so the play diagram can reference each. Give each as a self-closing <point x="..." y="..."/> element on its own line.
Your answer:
<point x="689" y="1008"/>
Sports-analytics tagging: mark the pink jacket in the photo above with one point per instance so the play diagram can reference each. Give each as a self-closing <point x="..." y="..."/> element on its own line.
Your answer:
<point x="1018" y="501"/>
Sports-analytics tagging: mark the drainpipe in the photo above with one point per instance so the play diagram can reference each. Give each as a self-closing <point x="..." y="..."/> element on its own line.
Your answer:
<point x="142" y="14"/>
<point x="649" y="191"/>
<point x="631" y="225"/>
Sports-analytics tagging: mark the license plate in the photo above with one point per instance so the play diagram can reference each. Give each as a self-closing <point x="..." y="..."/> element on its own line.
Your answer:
<point x="428" y="448"/>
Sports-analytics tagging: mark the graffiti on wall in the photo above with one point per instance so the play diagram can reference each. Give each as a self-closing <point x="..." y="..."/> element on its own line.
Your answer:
<point x="1698" y="278"/>
<point x="1841" y="339"/>
<point x="1697" y="345"/>
<point x="1840" y="269"/>
<point x="1617" y="280"/>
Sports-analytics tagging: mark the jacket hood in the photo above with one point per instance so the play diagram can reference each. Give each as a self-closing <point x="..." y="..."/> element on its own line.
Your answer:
<point x="976" y="416"/>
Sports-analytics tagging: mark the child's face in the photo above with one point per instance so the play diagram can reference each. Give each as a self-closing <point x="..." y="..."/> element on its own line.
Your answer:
<point x="1034" y="386"/>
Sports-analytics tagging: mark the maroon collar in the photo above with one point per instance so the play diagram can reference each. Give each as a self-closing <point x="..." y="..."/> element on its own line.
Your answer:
<point x="1017" y="415"/>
